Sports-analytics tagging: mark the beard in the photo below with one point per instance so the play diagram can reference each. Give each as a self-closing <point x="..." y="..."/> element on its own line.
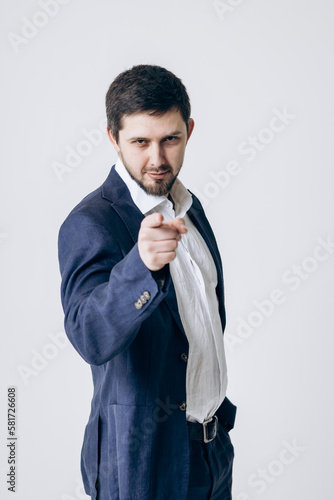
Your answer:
<point x="158" y="187"/>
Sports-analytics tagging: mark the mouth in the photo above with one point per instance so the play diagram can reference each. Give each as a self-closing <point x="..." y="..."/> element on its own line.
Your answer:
<point x="158" y="175"/>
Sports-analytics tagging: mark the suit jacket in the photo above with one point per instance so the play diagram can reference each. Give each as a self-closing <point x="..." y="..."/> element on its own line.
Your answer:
<point x="136" y="440"/>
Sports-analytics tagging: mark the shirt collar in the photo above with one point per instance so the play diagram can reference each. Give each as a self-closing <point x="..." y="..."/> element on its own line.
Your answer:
<point x="147" y="202"/>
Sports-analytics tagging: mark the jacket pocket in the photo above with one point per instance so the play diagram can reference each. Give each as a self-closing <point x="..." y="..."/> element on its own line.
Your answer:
<point x="130" y="448"/>
<point x="90" y="456"/>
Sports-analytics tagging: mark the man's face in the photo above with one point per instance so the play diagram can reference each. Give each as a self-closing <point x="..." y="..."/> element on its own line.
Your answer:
<point x="152" y="149"/>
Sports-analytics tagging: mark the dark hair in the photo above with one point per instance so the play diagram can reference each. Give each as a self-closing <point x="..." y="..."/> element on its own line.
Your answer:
<point x="145" y="88"/>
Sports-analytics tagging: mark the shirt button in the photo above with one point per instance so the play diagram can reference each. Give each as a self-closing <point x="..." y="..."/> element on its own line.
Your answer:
<point x="183" y="406"/>
<point x="184" y="357"/>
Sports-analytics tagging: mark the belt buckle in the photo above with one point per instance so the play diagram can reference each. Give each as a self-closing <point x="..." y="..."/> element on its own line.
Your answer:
<point x="205" y="436"/>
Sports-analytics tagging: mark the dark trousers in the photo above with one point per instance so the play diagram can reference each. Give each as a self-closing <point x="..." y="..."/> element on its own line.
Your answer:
<point x="211" y="468"/>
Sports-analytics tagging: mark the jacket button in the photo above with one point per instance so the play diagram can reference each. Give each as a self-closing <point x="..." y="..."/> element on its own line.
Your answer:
<point x="184" y="357"/>
<point x="143" y="299"/>
<point x="183" y="406"/>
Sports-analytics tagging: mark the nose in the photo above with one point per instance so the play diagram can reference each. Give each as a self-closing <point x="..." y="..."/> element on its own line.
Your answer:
<point x="156" y="155"/>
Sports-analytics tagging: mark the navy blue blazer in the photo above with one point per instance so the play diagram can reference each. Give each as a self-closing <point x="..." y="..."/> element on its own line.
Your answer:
<point x="136" y="440"/>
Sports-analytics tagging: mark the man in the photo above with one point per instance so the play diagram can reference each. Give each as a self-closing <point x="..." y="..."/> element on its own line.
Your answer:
<point x="142" y="292"/>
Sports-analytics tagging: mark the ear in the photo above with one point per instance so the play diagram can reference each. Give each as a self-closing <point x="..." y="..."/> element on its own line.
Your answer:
<point x="113" y="140"/>
<point x="190" y="128"/>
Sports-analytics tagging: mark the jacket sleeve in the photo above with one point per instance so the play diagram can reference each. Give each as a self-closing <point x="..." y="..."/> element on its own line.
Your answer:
<point x="106" y="295"/>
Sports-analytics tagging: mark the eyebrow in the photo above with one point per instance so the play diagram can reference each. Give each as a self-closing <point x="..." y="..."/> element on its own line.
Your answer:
<point x="177" y="132"/>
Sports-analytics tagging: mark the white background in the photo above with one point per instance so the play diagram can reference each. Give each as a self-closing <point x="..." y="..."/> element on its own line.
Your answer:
<point x="239" y="63"/>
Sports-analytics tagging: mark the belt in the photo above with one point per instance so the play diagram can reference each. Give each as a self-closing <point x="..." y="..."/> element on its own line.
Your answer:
<point x="203" y="432"/>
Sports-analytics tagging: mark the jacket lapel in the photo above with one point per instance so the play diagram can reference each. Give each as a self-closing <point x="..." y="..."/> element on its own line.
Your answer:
<point x="116" y="191"/>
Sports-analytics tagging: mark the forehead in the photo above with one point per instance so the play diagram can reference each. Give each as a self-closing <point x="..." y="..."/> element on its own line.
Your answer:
<point x="144" y="125"/>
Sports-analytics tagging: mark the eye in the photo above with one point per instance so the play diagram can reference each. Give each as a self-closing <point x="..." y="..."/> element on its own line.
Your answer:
<point x="140" y="143"/>
<point x="171" y="138"/>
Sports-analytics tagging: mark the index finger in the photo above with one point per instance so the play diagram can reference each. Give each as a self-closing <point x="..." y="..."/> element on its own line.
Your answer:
<point x="177" y="224"/>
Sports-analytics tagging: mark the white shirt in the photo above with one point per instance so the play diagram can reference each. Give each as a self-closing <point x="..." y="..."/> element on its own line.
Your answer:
<point x="194" y="276"/>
